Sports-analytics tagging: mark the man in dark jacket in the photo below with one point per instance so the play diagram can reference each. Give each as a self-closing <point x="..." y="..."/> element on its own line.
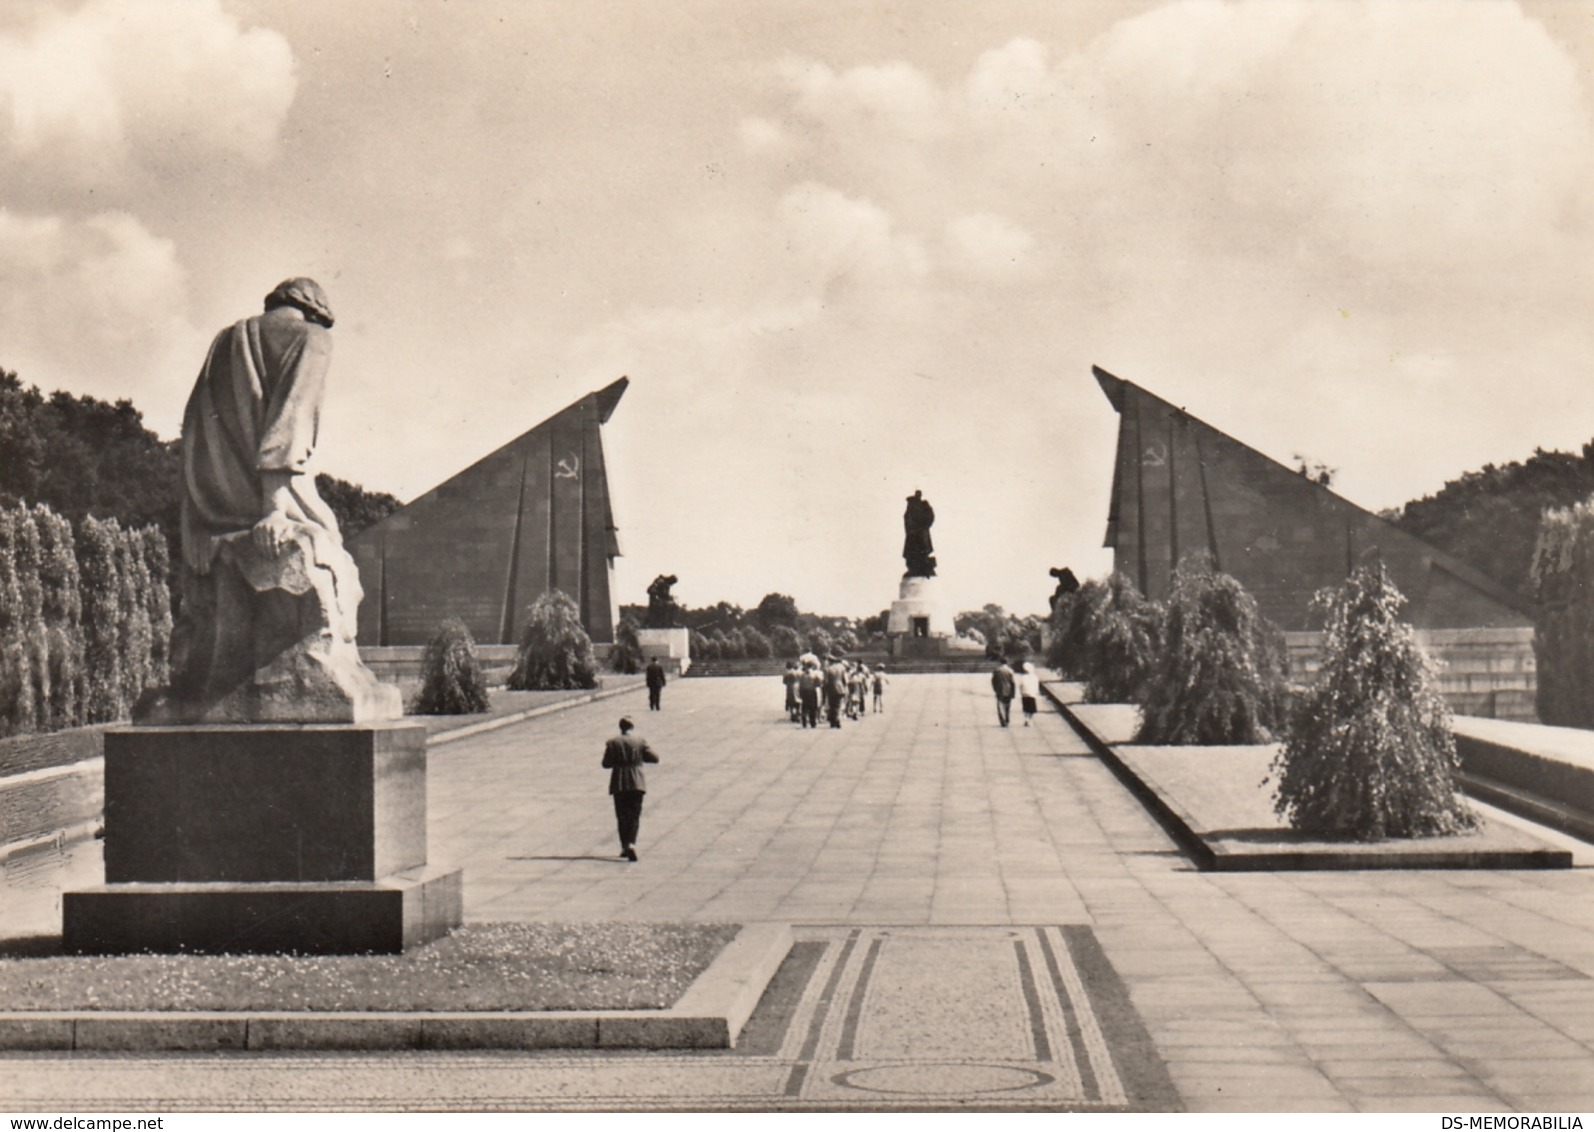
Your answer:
<point x="1003" y="685"/>
<point x="623" y="757"/>
<point x="655" y="683"/>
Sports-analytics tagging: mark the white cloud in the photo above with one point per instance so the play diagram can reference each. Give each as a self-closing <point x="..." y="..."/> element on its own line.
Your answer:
<point x="991" y="247"/>
<point x="762" y="136"/>
<point x="105" y="293"/>
<point x="159" y="83"/>
<point x="893" y="97"/>
<point x="833" y="236"/>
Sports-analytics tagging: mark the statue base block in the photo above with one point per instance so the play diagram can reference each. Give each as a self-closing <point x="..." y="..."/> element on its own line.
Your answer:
<point x="919" y="611"/>
<point x="386" y="916"/>
<point x="264" y="838"/>
<point x="671" y="647"/>
<point x="264" y="802"/>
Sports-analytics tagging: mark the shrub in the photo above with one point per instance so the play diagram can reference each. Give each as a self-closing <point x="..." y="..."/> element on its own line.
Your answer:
<point x="819" y="642"/>
<point x="704" y="647"/>
<point x="1220" y="678"/>
<point x="34" y="709"/>
<point x="1563" y="638"/>
<point x="136" y="637"/>
<point x="732" y="645"/>
<point x="755" y="645"/>
<point x="1074" y="618"/>
<point x="1370" y="754"/>
<point x="63" y="616"/>
<point x="1122" y="642"/>
<point x="158" y="601"/>
<point x="16" y="682"/>
<point x="102" y="614"/>
<point x="626" y="655"/>
<point x="555" y="651"/>
<point x="785" y="642"/>
<point x="451" y="679"/>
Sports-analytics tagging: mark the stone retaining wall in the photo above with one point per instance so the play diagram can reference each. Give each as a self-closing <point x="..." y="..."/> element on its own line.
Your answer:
<point x="1490" y="673"/>
<point x="51" y="786"/>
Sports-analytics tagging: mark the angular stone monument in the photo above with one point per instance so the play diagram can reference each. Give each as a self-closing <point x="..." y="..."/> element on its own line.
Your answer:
<point x="271" y="798"/>
<point x="918" y="623"/>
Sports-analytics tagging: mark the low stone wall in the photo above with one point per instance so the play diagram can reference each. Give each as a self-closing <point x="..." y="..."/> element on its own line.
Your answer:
<point x="1542" y="773"/>
<point x="1489" y="673"/>
<point x="395" y="663"/>
<point x="52" y="787"/>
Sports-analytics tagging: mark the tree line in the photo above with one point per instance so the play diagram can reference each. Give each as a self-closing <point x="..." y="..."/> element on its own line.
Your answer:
<point x="83" y="457"/>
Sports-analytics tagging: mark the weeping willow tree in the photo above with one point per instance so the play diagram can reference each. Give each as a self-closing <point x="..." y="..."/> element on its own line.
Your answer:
<point x="555" y="651"/>
<point x="1122" y="635"/>
<point x="1371" y="754"/>
<point x="451" y="678"/>
<point x="1073" y="616"/>
<point x="626" y="655"/>
<point x="1220" y="673"/>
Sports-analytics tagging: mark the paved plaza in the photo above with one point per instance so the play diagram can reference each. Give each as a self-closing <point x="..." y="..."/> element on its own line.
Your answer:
<point x="985" y="917"/>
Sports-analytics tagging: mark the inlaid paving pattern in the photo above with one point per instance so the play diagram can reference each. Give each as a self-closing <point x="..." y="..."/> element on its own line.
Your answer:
<point x="996" y="1017"/>
<point x="961" y="1015"/>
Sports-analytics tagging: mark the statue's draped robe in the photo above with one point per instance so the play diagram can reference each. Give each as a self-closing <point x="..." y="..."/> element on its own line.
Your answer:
<point x="263" y="634"/>
<point x="256" y="408"/>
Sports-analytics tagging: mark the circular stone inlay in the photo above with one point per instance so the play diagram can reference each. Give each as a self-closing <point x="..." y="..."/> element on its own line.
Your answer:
<point x="942" y="1079"/>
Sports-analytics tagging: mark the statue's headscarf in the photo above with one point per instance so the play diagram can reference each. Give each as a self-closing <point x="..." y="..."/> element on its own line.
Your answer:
<point x="306" y="294"/>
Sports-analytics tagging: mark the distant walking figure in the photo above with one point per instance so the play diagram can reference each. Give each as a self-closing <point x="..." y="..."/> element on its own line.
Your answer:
<point x="1029" y="687"/>
<point x="655" y="684"/>
<point x="880" y="683"/>
<point x="793" y="708"/>
<point x="809" y="681"/>
<point x="623" y="757"/>
<point x="1002" y="684"/>
<point x="835" y="690"/>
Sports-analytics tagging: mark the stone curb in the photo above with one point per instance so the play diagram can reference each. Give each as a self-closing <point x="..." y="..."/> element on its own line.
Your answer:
<point x="710" y="1015"/>
<point x="1181" y="826"/>
<point x="437" y="739"/>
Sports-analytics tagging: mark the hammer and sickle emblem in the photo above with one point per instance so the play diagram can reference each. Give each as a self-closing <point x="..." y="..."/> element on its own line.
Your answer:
<point x="569" y="468"/>
<point x="1156" y="456"/>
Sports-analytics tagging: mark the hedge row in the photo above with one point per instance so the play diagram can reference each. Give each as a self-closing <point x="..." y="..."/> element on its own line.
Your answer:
<point x="85" y="619"/>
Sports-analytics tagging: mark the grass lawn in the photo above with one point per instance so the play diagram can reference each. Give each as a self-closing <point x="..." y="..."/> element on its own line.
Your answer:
<point x="582" y="966"/>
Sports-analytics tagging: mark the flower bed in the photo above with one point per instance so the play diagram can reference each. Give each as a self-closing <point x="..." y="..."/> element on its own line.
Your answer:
<point x="480" y="967"/>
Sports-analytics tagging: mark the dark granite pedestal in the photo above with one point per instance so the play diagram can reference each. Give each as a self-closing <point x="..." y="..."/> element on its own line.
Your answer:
<point x="264" y="838"/>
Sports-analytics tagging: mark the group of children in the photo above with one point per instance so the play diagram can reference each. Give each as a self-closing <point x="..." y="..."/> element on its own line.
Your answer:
<point x="844" y="686"/>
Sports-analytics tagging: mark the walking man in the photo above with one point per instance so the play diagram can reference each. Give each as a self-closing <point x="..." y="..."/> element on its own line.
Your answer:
<point x="1003" y="685"/>
<point x="623" y="757"/>
<point x="790" y="680"/>
<point x="835" y="690"/>
<point x="655" y="684"/>
<point x="809" y="682"/>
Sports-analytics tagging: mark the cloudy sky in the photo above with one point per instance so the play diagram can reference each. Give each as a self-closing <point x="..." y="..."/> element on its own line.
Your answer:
<point x="843" y="250"/>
